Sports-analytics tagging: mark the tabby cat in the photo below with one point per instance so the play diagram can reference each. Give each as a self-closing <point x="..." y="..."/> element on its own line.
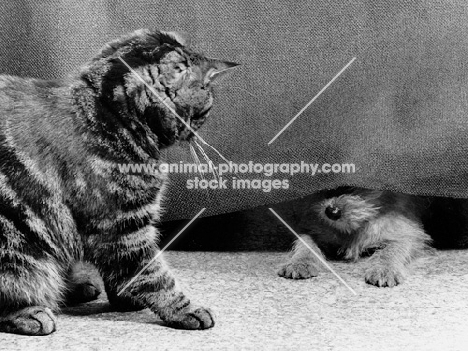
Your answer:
<point x="62" y="196"/>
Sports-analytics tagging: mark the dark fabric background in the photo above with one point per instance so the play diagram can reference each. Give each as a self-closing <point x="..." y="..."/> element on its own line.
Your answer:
<point x="398" y="113"/>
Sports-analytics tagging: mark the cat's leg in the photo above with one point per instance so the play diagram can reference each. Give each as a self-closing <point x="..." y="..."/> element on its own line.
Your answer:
<point x="29" y="293"/>
<point x="303" y="263"/>
<point x="121" y="259"/>
<point x="401" y="240"/>
<point x="83" y="283"/>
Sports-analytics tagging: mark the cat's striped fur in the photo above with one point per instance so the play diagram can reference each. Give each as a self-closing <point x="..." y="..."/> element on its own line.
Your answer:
<point x="62" y="195"/>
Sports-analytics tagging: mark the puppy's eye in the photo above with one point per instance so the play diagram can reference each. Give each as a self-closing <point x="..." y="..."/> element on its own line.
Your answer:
<point x="333" y="212"/>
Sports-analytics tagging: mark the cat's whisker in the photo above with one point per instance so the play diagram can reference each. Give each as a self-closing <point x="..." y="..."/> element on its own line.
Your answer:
<point x="210" y="163"/>
<point x="226" y="160"/>
<point x="215" y="150"/>
<point x="196" y="160"/>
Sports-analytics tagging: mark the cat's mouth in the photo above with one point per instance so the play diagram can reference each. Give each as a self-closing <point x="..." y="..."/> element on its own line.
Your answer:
<point x="187" y="130"/>
<point x="186" y="135"/>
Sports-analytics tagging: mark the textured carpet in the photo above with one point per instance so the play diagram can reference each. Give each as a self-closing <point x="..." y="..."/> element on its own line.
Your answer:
<point x="255" y="309"/>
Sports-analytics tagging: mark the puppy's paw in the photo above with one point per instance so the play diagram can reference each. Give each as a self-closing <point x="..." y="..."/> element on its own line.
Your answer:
<point x="191" y="317"/>
<point x="384" y="276"/>
<point x="298" y="270"/>
<point x="35" y="320"/>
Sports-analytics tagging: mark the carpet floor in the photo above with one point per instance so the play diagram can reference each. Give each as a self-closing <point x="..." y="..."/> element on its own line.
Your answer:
<point x="257" y="310"/>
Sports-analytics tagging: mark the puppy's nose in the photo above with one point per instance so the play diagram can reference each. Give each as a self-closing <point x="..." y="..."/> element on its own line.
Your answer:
<point x="332" y="212"/>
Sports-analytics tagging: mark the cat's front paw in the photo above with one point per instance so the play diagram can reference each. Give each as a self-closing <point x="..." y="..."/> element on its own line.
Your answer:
<point x="34" y="320"/>
<point x="298" y="270"/>
<point x="191" y="317"/>
<point x="384" y="276"/>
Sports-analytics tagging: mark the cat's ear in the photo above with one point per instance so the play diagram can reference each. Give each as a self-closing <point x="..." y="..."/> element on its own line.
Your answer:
<point x="183" y="38"/>
<point x="217" y="68"/>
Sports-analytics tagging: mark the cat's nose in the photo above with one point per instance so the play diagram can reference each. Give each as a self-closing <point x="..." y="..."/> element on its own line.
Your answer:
<point x="333" y="212"/>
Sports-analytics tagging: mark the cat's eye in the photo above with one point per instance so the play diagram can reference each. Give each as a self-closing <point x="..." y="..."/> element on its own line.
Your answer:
<point x="180" y="67"/>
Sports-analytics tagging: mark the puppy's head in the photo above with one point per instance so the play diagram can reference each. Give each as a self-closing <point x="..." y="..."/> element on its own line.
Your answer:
<point x="349" y="212"/>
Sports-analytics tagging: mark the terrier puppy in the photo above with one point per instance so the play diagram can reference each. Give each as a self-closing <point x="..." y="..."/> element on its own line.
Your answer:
<point x="353" y="222"/>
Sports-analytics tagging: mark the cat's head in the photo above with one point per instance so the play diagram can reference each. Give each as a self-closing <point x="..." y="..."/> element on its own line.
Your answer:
<point x="148" y="75"/>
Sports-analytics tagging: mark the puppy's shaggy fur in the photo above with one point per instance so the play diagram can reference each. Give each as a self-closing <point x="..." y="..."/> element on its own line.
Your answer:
<point x="355" y="222"/>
